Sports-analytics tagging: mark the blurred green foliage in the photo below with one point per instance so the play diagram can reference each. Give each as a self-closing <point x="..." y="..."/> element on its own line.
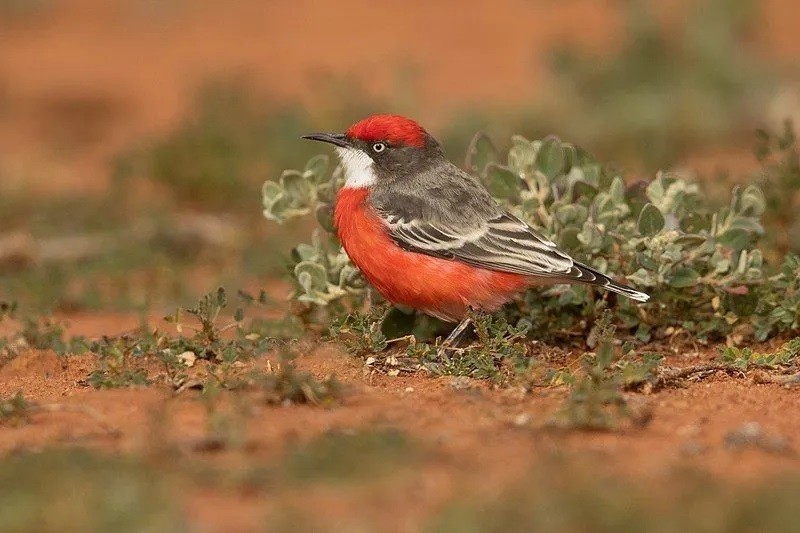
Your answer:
<point x="666" y="91"/>
<point x="349" y="456"/>
<point x="77" y="491"/>
<point x="17" y="9"/>
<point x="780" y="178"/>
<point x="220" y="155"/>
<point x="564" y="497"/>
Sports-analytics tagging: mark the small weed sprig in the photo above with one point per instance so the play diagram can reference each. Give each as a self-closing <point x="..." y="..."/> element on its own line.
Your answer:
<point x="222" y="346"/>
<point x="597" y="400"/>
<point x="209" y="341"/>
<point x="360" y="332"/>
<point x="14" y="411"/>
<point x="7" y="309"/>
<point x="117" y="360"/>
<point x="779" y="176"/>
<point x="284" y="383"/>
<point x="38" y="333"/>
<point x="499" y="354"/>
<point x="17" y="410"/>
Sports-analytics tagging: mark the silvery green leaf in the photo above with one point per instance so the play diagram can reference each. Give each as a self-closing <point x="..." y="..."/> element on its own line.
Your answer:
<point x="756" y="258"/>
<point x="734" y="238"/>
<point x="568" y="297"/>
<point x="349" y="275"/>
<point x="270" y="191"/>
<point x="684" y="277"/>
<point x="646" y="262"/>
<point x="326" y="192"/>
<point x="656" y="190"/>
<point x="480" y="153"/>
<point x="271" y="214"/>
<point x="551" y="157"/>
<point x="642" y="278"/>
<point x="689" y="240"/>
<point x="502" y="182"/>
<point x="571" y="158"/>
<point x="583" y="189"/>
<point x="275" y="202"/>
<point x="297" y="187"/>
<point x="305" y="252"/>
<point x="741" y="266"/>
<point x="753" y="202"/>
<point x="539" y="183"/>
<point x="311" y="276"/>
<point x="522" y="155"/>
<point x="617" y="190"/>
<point x="316" y="168"/>
<point x="749" y="225"/>
<point x="592" y="173"/>
<point x="754" y="274"/>
<point x="651" y="221"/>
<point x="600" y="264"/>
<point x="314" y="298"/>
<point x="568" y="238"/>
<point x="571" y="214"/>
<point x="590" y="237"/>
<point x="324" y="215"/>
<point x="575" y="174"/>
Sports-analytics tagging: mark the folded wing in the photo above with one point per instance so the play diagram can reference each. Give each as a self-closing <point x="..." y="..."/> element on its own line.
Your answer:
<point x="503" y="243"/>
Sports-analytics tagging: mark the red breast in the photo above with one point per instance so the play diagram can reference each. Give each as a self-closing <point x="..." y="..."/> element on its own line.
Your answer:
<point x="440" y="287"/>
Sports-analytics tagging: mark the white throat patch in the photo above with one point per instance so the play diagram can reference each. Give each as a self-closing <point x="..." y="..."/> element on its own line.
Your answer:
<point x="358" y="168"/>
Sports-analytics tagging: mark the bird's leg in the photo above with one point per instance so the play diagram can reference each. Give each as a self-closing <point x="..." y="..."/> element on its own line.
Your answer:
<point x="455" y="335"/>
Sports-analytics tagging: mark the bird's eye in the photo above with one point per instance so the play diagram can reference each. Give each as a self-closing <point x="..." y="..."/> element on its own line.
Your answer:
<point x="378" y="147"/>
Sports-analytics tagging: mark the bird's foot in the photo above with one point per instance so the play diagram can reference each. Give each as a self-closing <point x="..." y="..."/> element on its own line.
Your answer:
<point x="455" y="336"/>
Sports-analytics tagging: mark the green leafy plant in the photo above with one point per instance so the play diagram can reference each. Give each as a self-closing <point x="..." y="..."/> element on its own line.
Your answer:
<point x="701" y="264"/>
<point x="596" y="399"/>
<point x="744" y="358"/>
<point x="346" y="456"/>
<point x="565" y="495"/>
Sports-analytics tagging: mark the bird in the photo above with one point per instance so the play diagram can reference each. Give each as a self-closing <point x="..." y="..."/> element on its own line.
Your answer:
<point x="429" y="236"/>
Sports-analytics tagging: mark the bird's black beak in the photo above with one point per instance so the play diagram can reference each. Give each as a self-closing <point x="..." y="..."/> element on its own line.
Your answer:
<point x="337" y="139"/>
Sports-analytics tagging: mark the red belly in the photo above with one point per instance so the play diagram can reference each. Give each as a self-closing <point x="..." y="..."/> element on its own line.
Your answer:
<point x="440" y="287"/>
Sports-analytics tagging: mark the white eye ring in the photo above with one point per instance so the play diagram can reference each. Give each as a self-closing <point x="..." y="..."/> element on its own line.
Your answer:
<point x="378" y="147"/>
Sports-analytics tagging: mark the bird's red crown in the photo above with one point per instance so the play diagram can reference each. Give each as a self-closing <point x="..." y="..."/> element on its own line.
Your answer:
<point x="391" y="128"/>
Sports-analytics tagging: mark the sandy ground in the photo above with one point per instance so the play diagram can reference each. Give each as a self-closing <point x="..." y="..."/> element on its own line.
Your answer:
<point x="477" y="439"/>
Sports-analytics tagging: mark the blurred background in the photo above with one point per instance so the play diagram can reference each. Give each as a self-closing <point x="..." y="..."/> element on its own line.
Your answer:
<point x="135" y="134"/>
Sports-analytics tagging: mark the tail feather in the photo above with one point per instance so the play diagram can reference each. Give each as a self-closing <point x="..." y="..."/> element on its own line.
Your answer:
<point x="590" y="276"/>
